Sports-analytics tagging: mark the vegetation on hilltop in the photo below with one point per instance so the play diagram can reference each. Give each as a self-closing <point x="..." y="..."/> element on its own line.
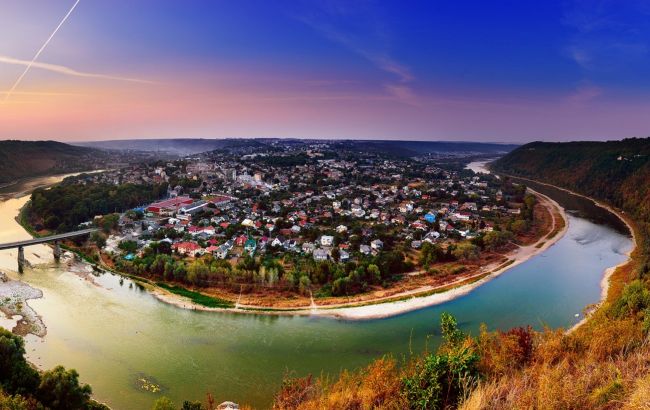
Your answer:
<point x="21" y="159"/>
<point x="616" y="172"/>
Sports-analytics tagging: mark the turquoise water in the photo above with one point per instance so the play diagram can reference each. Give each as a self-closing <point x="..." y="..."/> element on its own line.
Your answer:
<point x="113" y="333"/>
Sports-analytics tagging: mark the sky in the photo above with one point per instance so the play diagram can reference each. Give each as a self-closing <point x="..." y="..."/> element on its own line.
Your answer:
<point x="503" y="71"/>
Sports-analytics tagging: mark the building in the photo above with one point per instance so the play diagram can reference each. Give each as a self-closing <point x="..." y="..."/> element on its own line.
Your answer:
<point x="169" y="205"/>
<point x="320" y="255"/>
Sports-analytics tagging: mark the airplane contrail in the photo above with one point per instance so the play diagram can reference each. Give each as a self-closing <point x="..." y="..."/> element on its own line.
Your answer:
<point x="38" y="53"/>
<point x="66" y="70"/>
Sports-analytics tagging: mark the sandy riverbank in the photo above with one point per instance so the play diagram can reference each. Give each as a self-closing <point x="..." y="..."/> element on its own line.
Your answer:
<point x="14" y="293"/>
<point x="604" y="283"/>
<point x="405" y="301"/>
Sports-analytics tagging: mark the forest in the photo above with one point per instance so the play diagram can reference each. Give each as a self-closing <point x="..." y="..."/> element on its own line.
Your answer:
<point x="63" y="207"/>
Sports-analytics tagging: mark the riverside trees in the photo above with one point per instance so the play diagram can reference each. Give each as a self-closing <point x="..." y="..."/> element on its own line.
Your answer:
<point x="23" y="387"/>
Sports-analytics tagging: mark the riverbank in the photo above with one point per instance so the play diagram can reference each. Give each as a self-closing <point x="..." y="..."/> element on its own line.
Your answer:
<point x="406" y="301"/>
<point x="609" y="273"/>
<point x="114" y="331"/>
<point x="14" y="293"/>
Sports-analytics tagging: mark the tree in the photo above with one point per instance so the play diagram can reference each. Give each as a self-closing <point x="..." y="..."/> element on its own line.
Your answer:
<point x="430" y="254"/>
<point x="192" y="405"/>
<point x="60" y="389"/>
<point x="496" y="239"/>
<point x="336" y="254"/>
<point x="519" y="226"/>
<point x="128" y="246"/>
<point x="441" y="380"/>
<point x="99" y="239"/>
<point x="466" y="251"/>
<point x="16" y="375"/>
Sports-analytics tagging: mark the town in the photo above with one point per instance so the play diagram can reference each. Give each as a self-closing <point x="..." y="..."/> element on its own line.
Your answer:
<point x="289" y="221"/>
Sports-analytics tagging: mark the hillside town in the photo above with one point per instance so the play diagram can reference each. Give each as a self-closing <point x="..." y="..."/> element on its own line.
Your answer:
<point x="304" y="218"/>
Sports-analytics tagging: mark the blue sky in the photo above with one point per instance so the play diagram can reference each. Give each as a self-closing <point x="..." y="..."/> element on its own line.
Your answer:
<point x="427" y="70"/>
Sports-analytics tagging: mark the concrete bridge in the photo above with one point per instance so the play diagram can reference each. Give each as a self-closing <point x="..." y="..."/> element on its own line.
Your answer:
<point x="44" y="239"/>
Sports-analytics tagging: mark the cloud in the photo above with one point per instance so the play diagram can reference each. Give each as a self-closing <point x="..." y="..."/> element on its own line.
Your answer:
<point x="585" y="92"/>
<point x="67" y="70"/>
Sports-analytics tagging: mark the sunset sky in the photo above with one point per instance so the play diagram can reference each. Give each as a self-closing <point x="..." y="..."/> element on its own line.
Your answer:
<point x="422" y="70"/>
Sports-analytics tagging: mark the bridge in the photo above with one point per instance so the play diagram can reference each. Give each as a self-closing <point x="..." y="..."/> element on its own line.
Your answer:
<point x="44" y="239"/>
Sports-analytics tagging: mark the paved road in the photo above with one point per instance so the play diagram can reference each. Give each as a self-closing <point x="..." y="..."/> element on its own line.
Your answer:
<point x="45" y="239"/>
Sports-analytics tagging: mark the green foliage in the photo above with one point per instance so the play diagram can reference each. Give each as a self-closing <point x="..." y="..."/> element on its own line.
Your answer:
<point x="16" y="375"/>
<point x="22" y="387"/>
<point x="466" y="251"/>
<point x="496" y="239"/>
<point x="634" y="299"/>
<point x="128" y="246"/>
<point x="197" y="297"/>
<point x="63" y="207"/>
<point x="430" y="254"/>
<point x="441" y="380"/>
<point x="60" y="389"/>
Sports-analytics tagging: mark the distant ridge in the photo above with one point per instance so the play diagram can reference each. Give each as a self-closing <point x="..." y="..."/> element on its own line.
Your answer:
<point x="189" y="146"/>
<point x="21" y="159"/>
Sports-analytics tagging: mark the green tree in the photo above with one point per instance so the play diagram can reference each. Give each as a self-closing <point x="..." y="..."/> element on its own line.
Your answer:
<point x="98" y="239"/>
<point x="16" y="375"/>
<point x="466" y="251"/>
<point x="440" y="380"/>
<point x="60" y="389"/>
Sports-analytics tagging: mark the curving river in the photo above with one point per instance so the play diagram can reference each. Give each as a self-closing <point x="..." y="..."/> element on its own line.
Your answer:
<point x="115" y="334"/>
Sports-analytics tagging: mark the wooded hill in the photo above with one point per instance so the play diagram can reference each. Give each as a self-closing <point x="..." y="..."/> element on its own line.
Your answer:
<point x="616" y="172"/>
<point x="20" y="159"/>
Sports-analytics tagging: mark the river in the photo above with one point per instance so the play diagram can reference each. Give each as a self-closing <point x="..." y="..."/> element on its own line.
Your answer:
<point x="113" y="333"/>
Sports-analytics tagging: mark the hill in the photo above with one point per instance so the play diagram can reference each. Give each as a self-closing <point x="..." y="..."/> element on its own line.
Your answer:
<point x="20" y="159"/>
<point x="616" y="172"/>
<point x="189" y="146"/>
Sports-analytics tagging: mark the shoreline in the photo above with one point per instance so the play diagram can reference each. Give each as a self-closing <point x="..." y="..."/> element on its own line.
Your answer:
<point x="607" y="274"/>
<point x="14" y="293"/>
<point x="410" y="300"/>
<point x="400" y="303"/>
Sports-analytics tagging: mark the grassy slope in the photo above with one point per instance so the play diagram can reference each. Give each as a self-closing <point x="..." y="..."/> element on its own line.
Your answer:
<point x="604" y="364"/>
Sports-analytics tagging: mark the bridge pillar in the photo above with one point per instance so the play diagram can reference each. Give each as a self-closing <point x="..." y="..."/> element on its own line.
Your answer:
<point x="21" y="259"/>
<point x="57" y="250"/>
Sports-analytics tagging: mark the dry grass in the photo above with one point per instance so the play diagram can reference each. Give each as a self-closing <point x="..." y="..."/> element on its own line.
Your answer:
<point x="375" y="387"/>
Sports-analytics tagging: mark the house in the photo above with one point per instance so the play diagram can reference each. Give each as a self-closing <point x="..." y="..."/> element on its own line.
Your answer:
<point x="250" y="246"/>
<point x="344" y="256"/>
<point x="320" y="254"/>
<point x="187" y="248"/>
<point x="278" y="241"/>
<point x="377" y="245"/>
<point x="341" y="229"/>
<point x="308" y="247"/>
<point x="416" y="244"/>
<point x="364" y="249"/>
<point x="326" y="240"/>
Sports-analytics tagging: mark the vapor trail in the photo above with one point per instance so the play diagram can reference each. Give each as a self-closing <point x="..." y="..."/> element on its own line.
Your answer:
<point x="38" y="53"/>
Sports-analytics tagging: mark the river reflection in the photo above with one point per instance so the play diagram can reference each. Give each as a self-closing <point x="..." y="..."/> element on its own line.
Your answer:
<point x="114" y="334"/>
